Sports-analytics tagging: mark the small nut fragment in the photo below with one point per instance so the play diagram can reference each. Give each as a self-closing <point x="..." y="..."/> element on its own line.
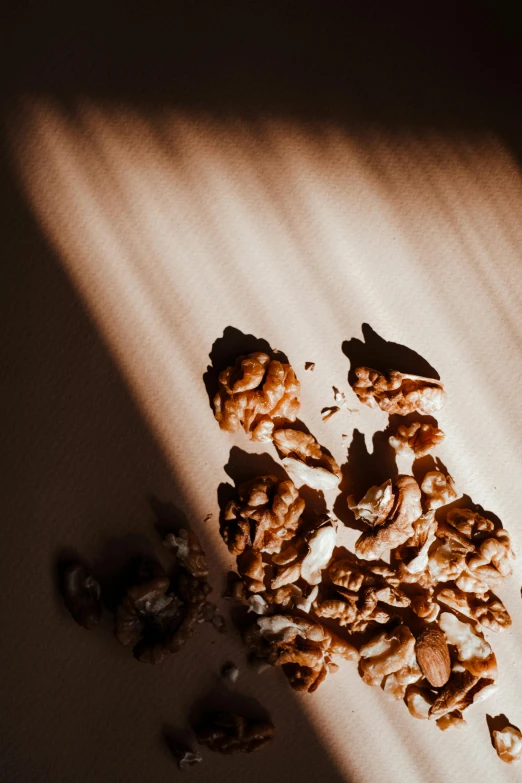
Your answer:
<point x="255" y="394"/>
<point x="251" y="567"/>
<point x="305" y="461"/>
<point x="82" y="595"/>
<point x="398" y="392"/>
<point x="310" y="366"/>
<point x="321" y="544"/>
<point x="451" y="720"/>
<point x="508" y="744"/>
<point x="419" y="701"/>
<point x="230" y="672"/>
<point x="229" y="733"/>
<point x="473" y="651"/>
<point x="454" y="694"/>
<point x="438" y="489"/>
<point x="386" y="653"/>
<point x="183" y="753"/>
<point x="418" y="439"/>
<point x="433" y="656"/>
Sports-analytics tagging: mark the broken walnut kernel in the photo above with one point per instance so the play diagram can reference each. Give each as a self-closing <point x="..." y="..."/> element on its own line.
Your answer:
<point x="508" y="744"/>
<point x="386" y="653"/>
<point x="305" y="461"/>
<point x="265" y="514"/>
<point x="438" y="490"/>
<point x="256" y="393"/>
<point x="485" y="608"/>
<point x="82" y="595"/>
<point x="188" y="551"/>
<point x="390" y="530"/>
<point x="474" y="652"/>
<point x="417" y="439"/>
<point x="451" y="720"/>
<point x="397" y="392"/>
<point x="228" y="733"/>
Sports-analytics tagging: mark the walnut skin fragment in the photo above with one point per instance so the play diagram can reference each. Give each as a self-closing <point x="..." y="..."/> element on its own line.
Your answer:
<point x="396" y="392"/>
<point x="256" y="394"/>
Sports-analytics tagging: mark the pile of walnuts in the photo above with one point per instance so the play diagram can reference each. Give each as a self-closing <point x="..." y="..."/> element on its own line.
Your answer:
<point x="411" y="603"/>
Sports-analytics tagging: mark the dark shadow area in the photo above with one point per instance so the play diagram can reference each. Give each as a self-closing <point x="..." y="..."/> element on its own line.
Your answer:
<point x="227" y="349"/>
<point x="466" y="502"/>
<point x="224" y="697"/>
<point x="117" y="566"/>
<point x="242" y="466"/>
<point x="383" y="355"/>
<point x="363" y="470"/>
<point x="79" y="464"/>
<point x="169" y="518"/>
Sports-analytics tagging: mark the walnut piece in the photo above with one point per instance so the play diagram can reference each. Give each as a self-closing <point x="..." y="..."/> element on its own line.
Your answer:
<point x="82" y="595"/>
<point x="451" y="720"/>
<point x="188" y="551"/>
<point x="155" y="620"/>
<point x="508" y="744"/>
<point x="321" y="544"/>
<point x="256" y="393"/>
<point x="230" y="733"/>
<point x="397" y="526"/>
<point x="438" y="490"/>
<point x="462" y="689"/>
<point x="486" y="608"/>
<point x="417" y="439"/>
<point x="305" y="461"/>
<point x="386" y="653"/>
<point x="265" y="513"/>
<point x="361" y="592"/>
<point x="398" y="392"/>
<point x="183" y="753"/>
<point x="419" y="701"/>
<point x="251" y="567"/>
<point x="302" y="647"/>
<point x="473" y="651"/>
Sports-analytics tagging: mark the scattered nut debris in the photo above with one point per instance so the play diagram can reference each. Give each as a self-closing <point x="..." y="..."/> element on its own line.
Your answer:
<point x="398" y="392"/>
<point x="82" y="595"/>
<point x="508" y="744"/>
<point x="310" y="366"/>
<point x="186" y="758"/>
<point x="413" y="651"/>
<point x="230" y="672"/>
<point x="256" y="394"/>
<point x="228" y="733"/>
<point x="327" y="413"/>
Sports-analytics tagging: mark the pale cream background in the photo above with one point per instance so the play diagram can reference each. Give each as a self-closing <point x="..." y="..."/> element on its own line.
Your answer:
<point x="169" y="230"/>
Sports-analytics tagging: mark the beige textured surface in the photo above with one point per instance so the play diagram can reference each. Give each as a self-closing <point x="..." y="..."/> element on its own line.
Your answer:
<point x="168" y="237"/>
<point x="293" y="177"/>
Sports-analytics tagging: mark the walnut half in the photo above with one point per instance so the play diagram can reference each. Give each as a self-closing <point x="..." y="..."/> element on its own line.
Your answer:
<point x="255" y="394"/>
<point x="305" y="461"/>
<point x="398" y="392"/>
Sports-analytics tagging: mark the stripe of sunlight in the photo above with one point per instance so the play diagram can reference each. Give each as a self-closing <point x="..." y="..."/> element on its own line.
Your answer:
<point x="79" y="223"/>
<point x="506" y="191"/>
<point x="161" y="202"/>
<point x="232" y="203"/>
<point x="478" y="477"/>
<point x="413" y="172"/>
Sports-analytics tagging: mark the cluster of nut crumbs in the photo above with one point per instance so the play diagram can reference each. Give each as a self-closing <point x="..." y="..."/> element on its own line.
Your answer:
<point x="159" y="611"/>
<point x="415" y="620"/>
